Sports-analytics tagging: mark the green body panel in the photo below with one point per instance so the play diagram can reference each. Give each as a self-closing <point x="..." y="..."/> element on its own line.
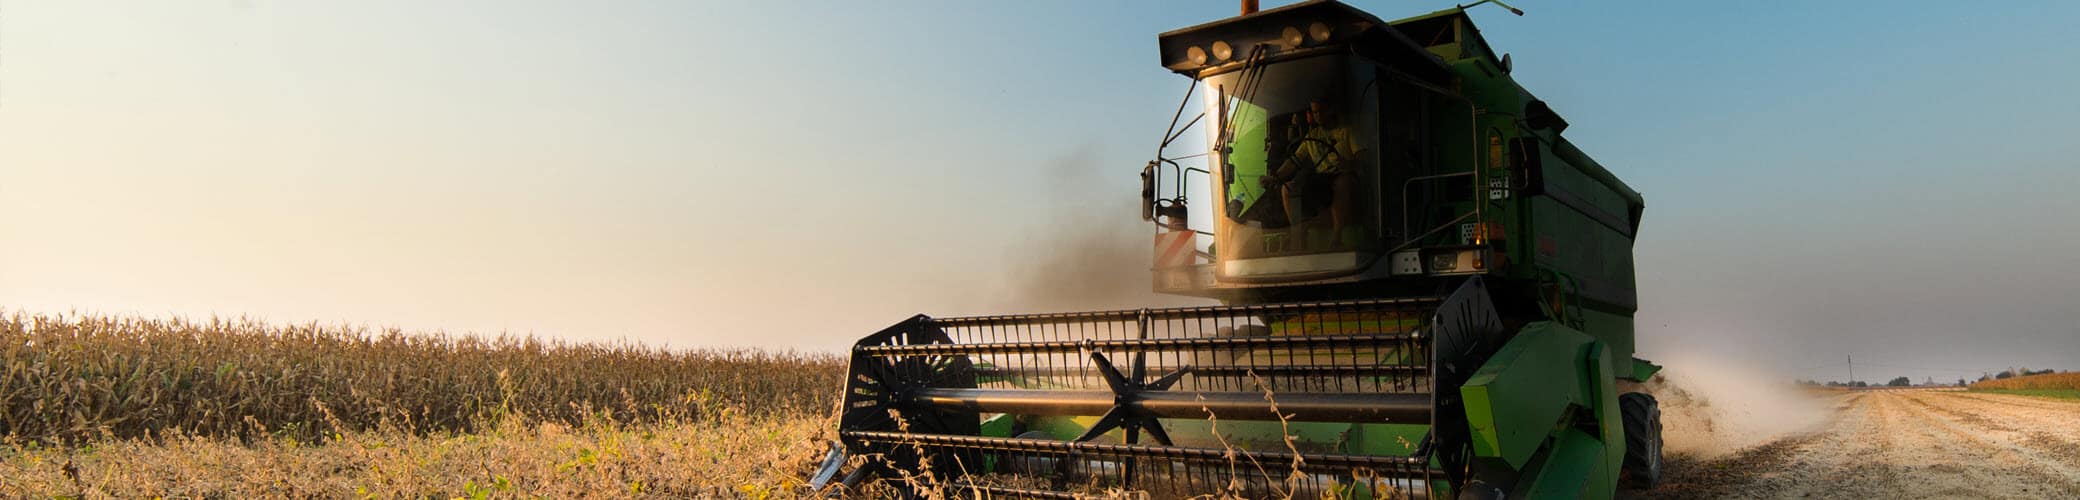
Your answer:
<point x="1547" y="404"/>
<point x="1063" y="428"/>
<point x="1614" y="330"/>
<point x="998" y="426"/>
<point x="1589" y="167"/>
<point x="1643" y="370"/>
<point x="1566" y="470"/>
<point x="1601" y="379"/>
<point x="1566" y="222"/>
<point x="1514" y="400"/>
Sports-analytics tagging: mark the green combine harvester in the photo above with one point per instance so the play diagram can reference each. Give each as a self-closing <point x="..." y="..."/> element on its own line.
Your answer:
<point x="1427" y="293"/>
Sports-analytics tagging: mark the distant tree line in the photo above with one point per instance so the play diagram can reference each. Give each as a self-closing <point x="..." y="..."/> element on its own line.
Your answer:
<point x="1896" y="382"/>
<point x="2016" y="372"/>
<point x="1906" y="382"/>
<point x="1831" y="383"/>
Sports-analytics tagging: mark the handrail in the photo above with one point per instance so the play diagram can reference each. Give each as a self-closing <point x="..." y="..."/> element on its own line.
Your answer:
<point x="1405" y="185"/>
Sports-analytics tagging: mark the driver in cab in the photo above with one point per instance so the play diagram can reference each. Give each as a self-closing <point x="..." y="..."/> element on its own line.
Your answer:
<point x="1322" y="163"/>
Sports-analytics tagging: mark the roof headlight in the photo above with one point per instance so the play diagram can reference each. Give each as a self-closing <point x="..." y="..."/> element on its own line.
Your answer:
<point x="1292" y="37"/>
<point x="1196" y="55"/>
<point x="1221" y="51"/>
<point x="1319" y="32"/>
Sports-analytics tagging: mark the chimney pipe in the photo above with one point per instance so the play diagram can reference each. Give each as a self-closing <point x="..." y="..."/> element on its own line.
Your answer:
<point x="1249" y="7"/>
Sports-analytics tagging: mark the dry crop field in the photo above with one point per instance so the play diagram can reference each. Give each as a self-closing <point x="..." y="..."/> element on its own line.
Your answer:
<point x="121" y="407"/>
<point x="1916" y="443"/>
<point x="2065" y="385"/>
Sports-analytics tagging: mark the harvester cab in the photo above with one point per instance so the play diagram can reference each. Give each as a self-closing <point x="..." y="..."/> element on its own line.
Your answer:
<point x="1427" y="292"/>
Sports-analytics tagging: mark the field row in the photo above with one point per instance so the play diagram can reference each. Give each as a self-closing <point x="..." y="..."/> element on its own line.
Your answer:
<point x="2069" y="381"/>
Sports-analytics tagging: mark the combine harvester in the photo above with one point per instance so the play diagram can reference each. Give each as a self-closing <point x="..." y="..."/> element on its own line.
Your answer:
<point x="1428" y="294"/>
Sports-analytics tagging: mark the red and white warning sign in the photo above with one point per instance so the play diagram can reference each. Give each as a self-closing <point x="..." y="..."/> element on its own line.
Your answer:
<point x="1174" y="248"/>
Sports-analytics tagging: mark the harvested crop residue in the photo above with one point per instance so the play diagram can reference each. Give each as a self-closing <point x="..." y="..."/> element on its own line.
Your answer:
<point x="1903" y="444"/>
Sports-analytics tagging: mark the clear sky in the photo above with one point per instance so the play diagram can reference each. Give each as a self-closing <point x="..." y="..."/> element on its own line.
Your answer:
<point x="1892" y="180"/>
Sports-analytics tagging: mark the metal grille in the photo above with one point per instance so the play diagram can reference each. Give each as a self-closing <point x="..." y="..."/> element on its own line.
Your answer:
<point x="919" y="388"/>
<point x="1370" y="346"/>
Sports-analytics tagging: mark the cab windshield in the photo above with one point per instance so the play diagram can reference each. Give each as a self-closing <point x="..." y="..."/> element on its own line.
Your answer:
<point x="1297" y="151"/>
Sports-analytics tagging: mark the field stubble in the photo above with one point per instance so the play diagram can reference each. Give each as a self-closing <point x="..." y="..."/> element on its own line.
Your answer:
<point x="1903" y="444"/>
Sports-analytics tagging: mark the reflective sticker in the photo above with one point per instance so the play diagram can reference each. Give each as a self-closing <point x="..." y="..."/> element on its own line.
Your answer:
<point x="1495" y="157"/>
<point x="1174" y="248"/>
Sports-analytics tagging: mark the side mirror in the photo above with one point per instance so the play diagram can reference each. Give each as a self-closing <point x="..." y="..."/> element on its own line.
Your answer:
<point x="1527" y="166"/>
<point x="1506" y="63"/>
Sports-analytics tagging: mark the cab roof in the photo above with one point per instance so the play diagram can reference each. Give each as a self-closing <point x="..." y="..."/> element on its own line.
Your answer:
<point x="1449" y="33"/>
<point x="1350" y="26"/>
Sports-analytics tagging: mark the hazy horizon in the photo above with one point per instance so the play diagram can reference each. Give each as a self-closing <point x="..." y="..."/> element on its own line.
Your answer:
<point x="1822" y="180"/>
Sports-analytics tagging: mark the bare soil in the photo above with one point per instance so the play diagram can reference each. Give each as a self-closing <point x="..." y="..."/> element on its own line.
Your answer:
<point x="1902" y="444"/>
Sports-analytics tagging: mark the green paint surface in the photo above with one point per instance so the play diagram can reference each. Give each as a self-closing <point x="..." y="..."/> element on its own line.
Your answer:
<point x="1513" y="401"/>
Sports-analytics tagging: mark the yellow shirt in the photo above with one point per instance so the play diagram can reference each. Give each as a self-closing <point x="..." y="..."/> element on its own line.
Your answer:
<point x="1327" y="148"/>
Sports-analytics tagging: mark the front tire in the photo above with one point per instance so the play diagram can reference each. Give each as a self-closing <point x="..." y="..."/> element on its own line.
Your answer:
<point x="1642" y="421"/>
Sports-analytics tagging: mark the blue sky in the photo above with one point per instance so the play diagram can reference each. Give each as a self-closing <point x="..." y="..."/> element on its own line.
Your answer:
<point x="1890" y="180"/>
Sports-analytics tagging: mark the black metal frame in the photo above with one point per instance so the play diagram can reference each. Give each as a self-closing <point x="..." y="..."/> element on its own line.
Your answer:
<point x="918" y="390"/>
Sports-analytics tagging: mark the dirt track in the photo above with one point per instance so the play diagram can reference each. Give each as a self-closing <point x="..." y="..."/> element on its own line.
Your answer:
<point x="1904" y="444"/>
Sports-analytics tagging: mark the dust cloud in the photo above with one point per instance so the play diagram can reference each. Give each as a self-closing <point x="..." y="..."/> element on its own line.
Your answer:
<point x="1093" y="251"/>
<point x="1712" y="406"/>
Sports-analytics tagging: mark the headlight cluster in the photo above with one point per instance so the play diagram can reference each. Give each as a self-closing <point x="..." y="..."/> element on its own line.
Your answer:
<point x="1292" y="37"/>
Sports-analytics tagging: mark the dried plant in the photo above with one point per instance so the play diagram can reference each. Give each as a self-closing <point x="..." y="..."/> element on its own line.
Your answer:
<point x="2068" y="381"/>
<point x="74" y="378"/>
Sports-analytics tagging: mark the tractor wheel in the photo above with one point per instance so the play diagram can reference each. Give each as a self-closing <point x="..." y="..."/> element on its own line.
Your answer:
<point x="1642" y="419"/>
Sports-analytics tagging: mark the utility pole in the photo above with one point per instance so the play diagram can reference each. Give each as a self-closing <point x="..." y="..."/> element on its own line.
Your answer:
<point x="1852" y="370"/>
